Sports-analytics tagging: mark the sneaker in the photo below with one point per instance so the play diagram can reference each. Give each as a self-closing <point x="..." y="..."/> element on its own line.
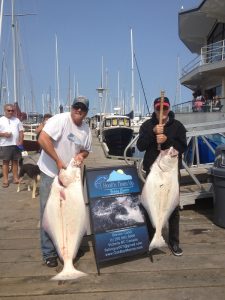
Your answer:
<point x="176" y="250"/>
<point x="51" y="262"/>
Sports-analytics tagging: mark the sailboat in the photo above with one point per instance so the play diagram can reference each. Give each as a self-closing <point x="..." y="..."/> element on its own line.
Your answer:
<point x="116" y="132"/>
<point x="30" y="120"/>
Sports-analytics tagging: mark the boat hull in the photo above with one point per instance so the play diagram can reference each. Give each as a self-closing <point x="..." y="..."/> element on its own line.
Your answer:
<point x="117" y="139"/>
<point x="31" y="145"/>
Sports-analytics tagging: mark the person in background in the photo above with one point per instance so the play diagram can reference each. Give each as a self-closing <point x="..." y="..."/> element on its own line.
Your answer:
<point x="64" y="136"/>
<point x="40" y="127"/>
<point x="170" y="133"/>
<point x="216" y="101"/>
<point x="11" y="138"/>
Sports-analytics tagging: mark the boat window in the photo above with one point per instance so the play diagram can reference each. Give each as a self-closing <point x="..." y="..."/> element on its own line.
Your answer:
<point x="121" y="122"/>
<point x="114" y="122"/>
<point x="107" y="123"/>
<point x="126" y="121"/>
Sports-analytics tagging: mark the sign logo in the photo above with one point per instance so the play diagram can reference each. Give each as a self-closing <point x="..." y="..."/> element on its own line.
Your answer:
<point x="117" y="179"/>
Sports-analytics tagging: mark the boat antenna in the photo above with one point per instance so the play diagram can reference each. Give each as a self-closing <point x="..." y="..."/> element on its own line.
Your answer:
<point x="142" y="86"/>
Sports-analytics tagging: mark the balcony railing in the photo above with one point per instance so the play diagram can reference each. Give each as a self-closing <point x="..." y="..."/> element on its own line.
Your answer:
<point x="189" y="107"/>
<point x="209" y="54"/>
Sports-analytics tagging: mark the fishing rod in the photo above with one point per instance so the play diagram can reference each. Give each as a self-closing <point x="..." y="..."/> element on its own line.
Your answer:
<point x="141" y="83"/>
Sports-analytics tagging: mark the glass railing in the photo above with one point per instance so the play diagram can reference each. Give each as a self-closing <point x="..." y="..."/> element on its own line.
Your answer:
<point x="209" y="54"/>
<point x="197" y="106"/>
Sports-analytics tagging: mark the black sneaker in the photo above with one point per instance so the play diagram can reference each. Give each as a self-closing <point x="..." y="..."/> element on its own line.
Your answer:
<point x="176" y="250"/>
<point x="51" y="262"/>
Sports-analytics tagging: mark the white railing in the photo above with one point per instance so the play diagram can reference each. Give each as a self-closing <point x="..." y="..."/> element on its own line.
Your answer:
<point x="209" y="54"/>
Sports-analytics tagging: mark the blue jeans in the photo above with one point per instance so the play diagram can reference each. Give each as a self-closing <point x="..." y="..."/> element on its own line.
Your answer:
<point x="47" y="246"/>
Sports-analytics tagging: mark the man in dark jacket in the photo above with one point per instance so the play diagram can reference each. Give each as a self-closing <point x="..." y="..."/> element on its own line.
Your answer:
<point x="170" y="133"/>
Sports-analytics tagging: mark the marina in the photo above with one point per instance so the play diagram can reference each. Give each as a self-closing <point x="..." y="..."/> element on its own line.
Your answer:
<point x="198" y="274"/>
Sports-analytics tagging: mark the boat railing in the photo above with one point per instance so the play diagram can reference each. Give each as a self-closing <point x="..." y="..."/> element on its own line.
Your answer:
<point x="209" y="54"/>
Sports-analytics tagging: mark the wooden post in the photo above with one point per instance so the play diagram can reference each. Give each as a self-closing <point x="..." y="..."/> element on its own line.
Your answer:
<point x="161" y="113"/>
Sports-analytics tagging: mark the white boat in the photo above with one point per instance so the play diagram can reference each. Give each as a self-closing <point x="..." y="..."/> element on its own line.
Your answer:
<point x="137" y="122"/>
<point x="30" y="142"/>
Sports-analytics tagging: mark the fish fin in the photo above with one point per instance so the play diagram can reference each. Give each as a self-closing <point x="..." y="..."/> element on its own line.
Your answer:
<point x="65" y="275"/>
<point x="157" y="242"/>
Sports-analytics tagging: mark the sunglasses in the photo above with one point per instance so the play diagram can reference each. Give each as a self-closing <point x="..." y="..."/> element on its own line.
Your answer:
<point x="165" y="108"/>
<point x="80" y="106"/>
<point x="10" y="110"/>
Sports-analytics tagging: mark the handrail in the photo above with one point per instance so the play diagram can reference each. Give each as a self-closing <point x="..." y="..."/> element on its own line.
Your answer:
<point x="189" y="107"/>
<point x="128" y="147"/>
<point x="209" y="54"/>
<point x="190" y="134"/>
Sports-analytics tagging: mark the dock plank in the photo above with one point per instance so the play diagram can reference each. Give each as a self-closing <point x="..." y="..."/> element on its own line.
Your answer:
<point x="198" y="274"/>
<point x="141" y="281"/>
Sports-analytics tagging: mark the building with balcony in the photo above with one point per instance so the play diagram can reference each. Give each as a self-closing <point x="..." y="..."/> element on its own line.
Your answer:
<point x="202" y="30"/>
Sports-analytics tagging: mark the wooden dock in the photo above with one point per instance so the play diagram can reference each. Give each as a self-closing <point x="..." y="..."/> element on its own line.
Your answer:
<point x="198" y="274"/>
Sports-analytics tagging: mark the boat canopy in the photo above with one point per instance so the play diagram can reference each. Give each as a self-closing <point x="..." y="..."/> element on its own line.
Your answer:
<point x="112" y="121"/>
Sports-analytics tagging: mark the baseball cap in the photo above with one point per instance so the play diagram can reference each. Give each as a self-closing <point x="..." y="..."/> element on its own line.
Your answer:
<point x="157" y="101"/>
<point x="81" y="99"/>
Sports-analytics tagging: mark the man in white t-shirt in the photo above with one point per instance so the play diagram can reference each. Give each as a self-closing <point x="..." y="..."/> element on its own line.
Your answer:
<point x="11" y="136"/>
<point x="64" y="136"/>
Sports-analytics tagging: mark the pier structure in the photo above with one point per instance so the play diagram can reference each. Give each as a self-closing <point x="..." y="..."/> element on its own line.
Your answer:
<point x="198" y="274"/>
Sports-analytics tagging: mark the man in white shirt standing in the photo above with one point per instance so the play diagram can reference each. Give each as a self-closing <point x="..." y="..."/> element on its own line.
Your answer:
<point x="11" y="136"/>
<point x="64" y="136"/>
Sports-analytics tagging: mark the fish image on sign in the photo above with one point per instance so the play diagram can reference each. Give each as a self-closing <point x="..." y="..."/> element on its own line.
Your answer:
<point x="160" y="194"/>
<point x="65" y="218"/>
<point x="116" y="212"/>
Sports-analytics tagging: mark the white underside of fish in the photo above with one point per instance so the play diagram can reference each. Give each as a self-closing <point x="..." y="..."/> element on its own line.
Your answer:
<point x="160" y="196"/>
<point x="64" y="220"/>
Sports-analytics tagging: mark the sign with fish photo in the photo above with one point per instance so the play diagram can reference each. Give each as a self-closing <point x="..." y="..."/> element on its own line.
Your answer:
<point x="117" y="220"/>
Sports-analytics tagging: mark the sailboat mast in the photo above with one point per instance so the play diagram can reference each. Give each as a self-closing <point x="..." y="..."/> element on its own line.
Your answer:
<point x="132" y="70"/>
<point x="178" y="88"/>
<point x="14" y="55"/>
<point x="57" y="70"/>
<point x="118" y="89"/>
<point x="1" y="18"/>
<point x="102" y="76"/>
<point x="69" y="96"/>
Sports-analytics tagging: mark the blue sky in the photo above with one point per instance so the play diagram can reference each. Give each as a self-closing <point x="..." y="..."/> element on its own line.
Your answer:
<point x="88" y="30"/>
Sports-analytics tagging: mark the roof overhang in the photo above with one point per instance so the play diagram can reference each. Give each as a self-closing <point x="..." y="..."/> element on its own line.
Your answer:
<point x="196" y="24"/>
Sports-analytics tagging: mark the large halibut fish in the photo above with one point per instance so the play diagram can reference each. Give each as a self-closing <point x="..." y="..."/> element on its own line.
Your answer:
<point x="160" y="194"/>
<point x="64" y="218"/>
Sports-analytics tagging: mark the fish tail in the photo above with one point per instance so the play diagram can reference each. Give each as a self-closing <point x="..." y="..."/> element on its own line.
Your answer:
<point x="68" y="275"/>
<point x="157" y="242"/>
